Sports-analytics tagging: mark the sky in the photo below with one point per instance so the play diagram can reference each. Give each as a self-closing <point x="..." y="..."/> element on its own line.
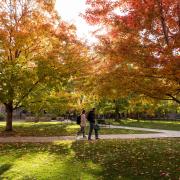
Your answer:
<point x="69" y="11"/>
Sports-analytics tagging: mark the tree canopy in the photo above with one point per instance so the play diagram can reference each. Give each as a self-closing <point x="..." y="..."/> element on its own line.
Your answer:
<point x="43" y="64"/>
<point x="139" y="51"/>
<point x="37" y="49"/>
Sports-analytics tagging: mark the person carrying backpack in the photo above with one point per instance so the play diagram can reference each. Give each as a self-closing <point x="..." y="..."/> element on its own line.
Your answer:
<point x="92" y="124"/>
<point x="82" y="123"/>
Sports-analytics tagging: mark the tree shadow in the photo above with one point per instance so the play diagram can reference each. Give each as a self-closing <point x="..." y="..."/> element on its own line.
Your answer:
<point x="127" y="159"/>
<point x="104" y="159"/>
<point x="40" y="129"/>
<point x="4" y="168"/>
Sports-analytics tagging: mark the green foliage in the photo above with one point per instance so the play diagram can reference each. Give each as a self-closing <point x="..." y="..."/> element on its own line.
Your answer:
<point x="39" y="56"/>
<point x="134" y="103"/>
<point x="112" y="106"/>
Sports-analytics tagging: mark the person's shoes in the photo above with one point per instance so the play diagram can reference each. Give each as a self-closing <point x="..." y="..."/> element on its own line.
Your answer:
<point x="97" y="138"/>
<point x="89" y="139"/>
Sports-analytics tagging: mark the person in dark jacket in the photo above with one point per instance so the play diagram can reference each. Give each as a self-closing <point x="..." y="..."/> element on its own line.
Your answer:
<point x="91" y="119"/>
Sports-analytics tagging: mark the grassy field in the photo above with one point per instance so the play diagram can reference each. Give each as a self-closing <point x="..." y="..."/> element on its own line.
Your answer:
<point x="105" y="159"/>
<point x="56" y="129"/>
<point x="168" y="125"/>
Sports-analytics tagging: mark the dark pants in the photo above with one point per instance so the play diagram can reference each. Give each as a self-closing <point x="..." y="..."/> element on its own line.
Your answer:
<point x="91" y="127"/>
<point x="82" y="130"/>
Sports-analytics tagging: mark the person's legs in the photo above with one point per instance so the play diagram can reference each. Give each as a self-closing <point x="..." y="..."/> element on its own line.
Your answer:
<point x="83" y="131"/>
<point x="80" y="131"/>
<point x="96" y="133"/>
<point x="91" y="126"/>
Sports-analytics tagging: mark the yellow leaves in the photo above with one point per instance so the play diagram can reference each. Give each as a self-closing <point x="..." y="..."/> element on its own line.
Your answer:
<point x="39" y="52"/>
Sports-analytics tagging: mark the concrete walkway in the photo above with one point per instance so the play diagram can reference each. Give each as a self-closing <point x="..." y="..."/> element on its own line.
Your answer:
<point x="159" y="134"/>
<point x="141" y="129"/>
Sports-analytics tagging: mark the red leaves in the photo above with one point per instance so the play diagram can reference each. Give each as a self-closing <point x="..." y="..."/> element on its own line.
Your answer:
<point x="144" y="34"/>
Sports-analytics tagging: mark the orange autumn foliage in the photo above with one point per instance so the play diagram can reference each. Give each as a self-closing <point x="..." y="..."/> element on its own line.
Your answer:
<point x="37" y="49"/>
<point x="141" y="46"/>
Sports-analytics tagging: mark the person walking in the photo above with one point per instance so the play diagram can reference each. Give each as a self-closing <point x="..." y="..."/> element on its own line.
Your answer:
<point x="92" y="124"/>
<point x="82" y="123"/>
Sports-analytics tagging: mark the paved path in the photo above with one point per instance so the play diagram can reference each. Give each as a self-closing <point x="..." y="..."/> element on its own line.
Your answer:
<point x="159" y="134"/>
<point x="142" y="129"/>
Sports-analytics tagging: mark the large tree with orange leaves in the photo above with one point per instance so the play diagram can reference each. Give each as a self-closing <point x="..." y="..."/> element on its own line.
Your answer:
<point x="36" y="48"/>
<point x="141" y="46"/>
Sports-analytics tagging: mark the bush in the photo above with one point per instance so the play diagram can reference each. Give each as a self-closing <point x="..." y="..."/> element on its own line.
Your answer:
<point x="2" y="116"/>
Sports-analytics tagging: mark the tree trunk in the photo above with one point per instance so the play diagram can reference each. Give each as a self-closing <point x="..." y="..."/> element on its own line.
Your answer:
<point x="9" y="111"/>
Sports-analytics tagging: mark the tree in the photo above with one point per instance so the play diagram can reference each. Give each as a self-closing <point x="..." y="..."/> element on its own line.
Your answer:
<point x="37" y="49"/>
<point x="140" y="48"/>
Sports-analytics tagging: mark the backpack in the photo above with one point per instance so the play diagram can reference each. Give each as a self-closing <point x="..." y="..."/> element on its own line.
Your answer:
<point x="78" y="120"/>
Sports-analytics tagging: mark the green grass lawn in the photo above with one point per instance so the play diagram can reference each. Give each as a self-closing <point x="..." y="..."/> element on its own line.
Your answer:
<point x="168" y="125"/>
<point x="105" y="159"/>
<point x="56" y="129"/>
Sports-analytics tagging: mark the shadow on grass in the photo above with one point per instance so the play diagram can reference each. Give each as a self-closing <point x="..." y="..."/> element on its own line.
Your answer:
<point x="32" y="161"/>
<point x="127" y="159"/>
<point x="58" y="129"/>
<point x="40" y="129"/>
<point x="52" y="161"/>
<point x="104" y="159"/>
<point x="4" y="168"/>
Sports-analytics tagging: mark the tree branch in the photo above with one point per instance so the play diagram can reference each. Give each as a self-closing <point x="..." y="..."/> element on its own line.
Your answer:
<point x="28" y="92"/>
<point x="174" y="98"/>
<point x="164" y="27"/>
